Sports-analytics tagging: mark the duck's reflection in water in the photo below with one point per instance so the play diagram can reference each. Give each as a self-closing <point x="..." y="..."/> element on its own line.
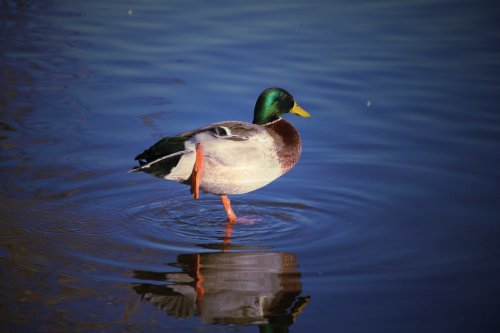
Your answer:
<point x="261" y="288"/>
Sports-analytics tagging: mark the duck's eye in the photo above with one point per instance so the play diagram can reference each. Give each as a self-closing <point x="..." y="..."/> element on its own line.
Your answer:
<point x="287" y="102"/>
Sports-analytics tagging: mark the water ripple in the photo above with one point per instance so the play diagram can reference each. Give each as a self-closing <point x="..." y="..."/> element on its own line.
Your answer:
<point x="60" y="218"/>
<point x="179" y="223"/>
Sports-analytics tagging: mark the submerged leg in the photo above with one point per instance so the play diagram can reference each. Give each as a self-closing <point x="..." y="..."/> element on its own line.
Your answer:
<point x="231" y="216"/>
<point x="197" y="173"/>
<point x="227" y="237"/>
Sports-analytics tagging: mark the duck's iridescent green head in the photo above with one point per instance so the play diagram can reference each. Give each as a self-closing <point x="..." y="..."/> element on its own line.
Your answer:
<point x="272" y="103"/>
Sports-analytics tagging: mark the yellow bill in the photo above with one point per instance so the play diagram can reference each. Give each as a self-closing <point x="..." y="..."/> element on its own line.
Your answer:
<point x="299" y="111"/>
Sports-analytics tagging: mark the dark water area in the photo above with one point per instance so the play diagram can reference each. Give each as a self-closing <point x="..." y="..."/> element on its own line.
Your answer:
<point x="388" y="223"/>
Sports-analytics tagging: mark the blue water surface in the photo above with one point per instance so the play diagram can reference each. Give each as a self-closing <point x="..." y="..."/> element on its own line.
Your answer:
<point x="388" y="223"/>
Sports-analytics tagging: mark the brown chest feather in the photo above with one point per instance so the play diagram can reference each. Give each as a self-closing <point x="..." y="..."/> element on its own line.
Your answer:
<point x="287" y="142"/>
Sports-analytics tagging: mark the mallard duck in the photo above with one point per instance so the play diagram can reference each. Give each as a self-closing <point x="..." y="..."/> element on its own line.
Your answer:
<point x="231" y="157"/>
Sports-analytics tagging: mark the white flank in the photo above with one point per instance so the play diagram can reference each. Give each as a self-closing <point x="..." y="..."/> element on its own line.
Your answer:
<point x="234" y="166"/>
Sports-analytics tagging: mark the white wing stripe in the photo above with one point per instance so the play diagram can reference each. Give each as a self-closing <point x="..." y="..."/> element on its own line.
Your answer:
<point x="146" y="166"/>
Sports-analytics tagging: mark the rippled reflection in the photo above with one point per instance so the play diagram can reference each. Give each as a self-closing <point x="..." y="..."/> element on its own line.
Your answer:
<point x="259" y="288"/>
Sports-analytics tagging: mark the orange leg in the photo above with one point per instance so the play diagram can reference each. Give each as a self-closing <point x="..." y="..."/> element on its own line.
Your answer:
<point x="197" y="173"/>
<point x="231" y="216"/>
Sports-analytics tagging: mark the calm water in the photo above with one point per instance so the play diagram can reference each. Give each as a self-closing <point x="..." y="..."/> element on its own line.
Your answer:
<point x="389" y="223"/>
